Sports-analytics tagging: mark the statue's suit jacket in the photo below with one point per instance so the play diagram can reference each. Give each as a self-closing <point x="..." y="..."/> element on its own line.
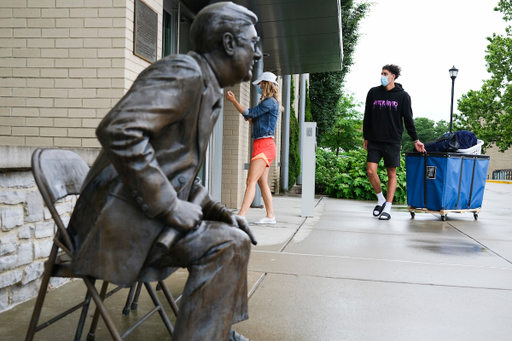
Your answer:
<point x="154" y="142"/>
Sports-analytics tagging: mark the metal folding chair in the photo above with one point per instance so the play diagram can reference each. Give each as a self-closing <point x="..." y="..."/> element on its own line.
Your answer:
<point x="59" y="173"/>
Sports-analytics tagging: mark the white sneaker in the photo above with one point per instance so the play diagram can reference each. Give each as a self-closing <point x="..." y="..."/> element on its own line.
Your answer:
<point x="266" y="221"/>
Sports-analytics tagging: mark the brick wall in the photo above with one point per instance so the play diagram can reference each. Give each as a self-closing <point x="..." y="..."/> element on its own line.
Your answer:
<point x="64" y="64"/>
<point x="498" y="160"/>
<point x="26" y="237"/>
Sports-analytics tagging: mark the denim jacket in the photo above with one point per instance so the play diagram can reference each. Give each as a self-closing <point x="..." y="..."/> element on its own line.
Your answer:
<point x="264" y="117"/>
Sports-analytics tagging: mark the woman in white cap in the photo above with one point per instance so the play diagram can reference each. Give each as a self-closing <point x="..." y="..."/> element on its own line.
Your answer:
<point x="264" y="119"/>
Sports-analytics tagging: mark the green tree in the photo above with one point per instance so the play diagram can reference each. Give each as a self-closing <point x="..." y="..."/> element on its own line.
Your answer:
<point x="428" y="130"/>
<point x="325" y="93"/>
<point x="308" y="117"/>
<point x="326" y="87"/>
<point x="346" y="133"/>
<point x="488" y="112"/>
<point x="294" y="157"/>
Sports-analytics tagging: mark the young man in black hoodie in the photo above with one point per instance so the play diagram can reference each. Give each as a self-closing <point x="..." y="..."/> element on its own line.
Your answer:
<point x="388" y="108"/>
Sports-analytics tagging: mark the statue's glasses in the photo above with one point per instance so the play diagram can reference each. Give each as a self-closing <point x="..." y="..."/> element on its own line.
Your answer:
<point x="254" y="42"/>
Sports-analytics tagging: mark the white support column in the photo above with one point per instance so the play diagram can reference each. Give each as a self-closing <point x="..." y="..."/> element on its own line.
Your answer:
<point x="302" y="116"/>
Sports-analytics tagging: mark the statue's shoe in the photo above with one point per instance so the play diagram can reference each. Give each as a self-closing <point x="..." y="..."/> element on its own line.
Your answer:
<point x="234" y="336"/>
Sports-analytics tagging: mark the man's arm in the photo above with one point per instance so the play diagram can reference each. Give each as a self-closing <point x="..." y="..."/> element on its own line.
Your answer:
<point x="408" y="118"/>
<point x="409" y="124"/>
<point x="367" y="119"/>
<point x="157" y="99"/>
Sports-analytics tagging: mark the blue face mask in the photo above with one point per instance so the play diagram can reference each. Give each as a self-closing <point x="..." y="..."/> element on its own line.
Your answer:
<point x="259" y="90"/>
<point x="384" y="80"/>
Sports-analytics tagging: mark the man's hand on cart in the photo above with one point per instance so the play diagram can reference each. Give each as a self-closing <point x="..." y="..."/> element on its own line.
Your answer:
<point x="420" y="147"/>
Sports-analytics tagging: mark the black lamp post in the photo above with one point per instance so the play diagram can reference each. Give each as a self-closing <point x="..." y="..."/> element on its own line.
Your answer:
<point x="453" y="74"/>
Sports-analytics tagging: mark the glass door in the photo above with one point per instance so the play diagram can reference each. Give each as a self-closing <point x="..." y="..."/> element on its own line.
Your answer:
<point x="167" y="41"/>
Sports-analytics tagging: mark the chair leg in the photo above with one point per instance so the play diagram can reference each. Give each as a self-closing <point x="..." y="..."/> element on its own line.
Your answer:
<point x="126" y="310"/>
<point x="42" y="294"/>
<point x="100" y="309"/>
<point x="158" y="287"/>
<point x="83" y="315"/>
<point x="135" y="302"/>
<point x="169" y="297"/>
<point x="161" y="310"/>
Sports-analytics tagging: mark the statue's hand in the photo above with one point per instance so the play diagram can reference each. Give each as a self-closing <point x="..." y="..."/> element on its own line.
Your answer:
<point x="243" y="225"/>
<point x="222" y="214"/>
<point x="185" y="216"/>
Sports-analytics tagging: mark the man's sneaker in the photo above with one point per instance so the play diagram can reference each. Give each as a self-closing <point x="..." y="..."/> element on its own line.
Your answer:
<point x="266" y="221"/>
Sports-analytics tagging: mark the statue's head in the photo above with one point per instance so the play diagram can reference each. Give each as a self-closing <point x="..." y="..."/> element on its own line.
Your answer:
<point x="226" y="30"/>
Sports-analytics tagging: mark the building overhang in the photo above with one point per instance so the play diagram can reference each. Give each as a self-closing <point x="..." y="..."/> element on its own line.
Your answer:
<point x="299" y="36"/>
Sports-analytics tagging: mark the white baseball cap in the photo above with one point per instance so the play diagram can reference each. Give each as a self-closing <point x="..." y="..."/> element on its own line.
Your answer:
<point x="266" y="76"/>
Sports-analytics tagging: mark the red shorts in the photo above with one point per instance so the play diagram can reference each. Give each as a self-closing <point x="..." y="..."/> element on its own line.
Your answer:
<point x="264" y="149"/>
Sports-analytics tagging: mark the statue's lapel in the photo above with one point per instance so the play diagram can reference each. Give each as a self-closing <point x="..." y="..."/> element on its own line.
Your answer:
<point x="211" y="103"/>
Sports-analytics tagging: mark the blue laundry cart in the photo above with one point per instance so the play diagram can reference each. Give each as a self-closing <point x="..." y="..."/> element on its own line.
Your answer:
<point x="445" y="182"/>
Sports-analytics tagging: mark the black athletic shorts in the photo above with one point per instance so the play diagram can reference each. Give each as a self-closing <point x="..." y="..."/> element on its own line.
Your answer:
<point x="389" y="151"/>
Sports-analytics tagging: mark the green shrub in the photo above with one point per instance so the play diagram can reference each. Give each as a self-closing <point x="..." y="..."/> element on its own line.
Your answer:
<point x="345" y="177"/>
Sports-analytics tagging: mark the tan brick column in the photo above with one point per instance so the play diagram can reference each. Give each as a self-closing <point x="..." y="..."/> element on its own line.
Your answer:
<point x="236" y="147"/>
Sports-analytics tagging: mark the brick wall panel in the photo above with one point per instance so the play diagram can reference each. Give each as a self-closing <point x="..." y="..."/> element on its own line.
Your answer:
<point x="6" y="33"/>
<point x="39" y="141"/>
<point x="26" y="53"/>
<point x="25" y="12"/>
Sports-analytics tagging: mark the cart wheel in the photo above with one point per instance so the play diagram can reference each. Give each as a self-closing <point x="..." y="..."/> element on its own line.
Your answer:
<point x="443" y="217"/>
<point x="413" y="214"/>
<point x="475" y="215"/>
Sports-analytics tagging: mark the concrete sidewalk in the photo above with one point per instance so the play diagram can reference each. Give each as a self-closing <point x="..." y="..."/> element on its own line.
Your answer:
<point x="348" y="276"/>
<point x="344" y="275"/>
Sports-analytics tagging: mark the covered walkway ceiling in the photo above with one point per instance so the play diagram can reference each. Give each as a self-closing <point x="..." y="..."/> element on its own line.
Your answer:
<point x="300" y="36"/>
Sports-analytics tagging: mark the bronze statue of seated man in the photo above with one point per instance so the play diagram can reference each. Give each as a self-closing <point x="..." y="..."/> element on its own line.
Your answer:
<point x="141" y="213"/>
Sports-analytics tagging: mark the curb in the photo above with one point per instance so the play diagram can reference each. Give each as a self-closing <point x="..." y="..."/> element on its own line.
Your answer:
<point x="509" y="182"/>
